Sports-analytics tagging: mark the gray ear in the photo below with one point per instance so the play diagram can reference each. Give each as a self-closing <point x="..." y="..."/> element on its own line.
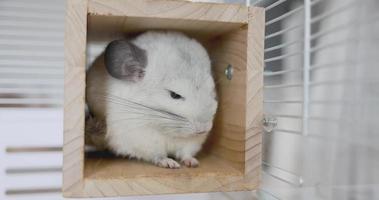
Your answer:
<point x="124" y="60"/>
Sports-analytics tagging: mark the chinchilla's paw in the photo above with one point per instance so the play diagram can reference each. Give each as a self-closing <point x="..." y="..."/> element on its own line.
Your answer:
<point x="191" y="162"/>
<point x="168" y="163"/>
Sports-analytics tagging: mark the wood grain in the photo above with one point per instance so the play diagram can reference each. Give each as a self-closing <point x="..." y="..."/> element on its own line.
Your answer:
<point x="234" y="35"/>
<point x="229" y="124"/>
<point x="74" y="91"/>
<point x="237" y="129"/>
<point x="120" y="177"/>
<point x="254" y="92"/>
<point x="203" y="30"/>
<point x="170" y="9"/>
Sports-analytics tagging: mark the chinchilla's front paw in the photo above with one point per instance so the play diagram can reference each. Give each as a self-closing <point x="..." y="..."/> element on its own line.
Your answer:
<point x="190" y="162"/>
<point x="168" y="163"/>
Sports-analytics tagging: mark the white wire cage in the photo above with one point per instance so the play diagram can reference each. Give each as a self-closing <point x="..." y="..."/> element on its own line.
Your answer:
<point x="321" y="85"/>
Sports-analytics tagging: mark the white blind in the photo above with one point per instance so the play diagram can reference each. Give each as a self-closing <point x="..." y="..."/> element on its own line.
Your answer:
<point x="31" y="80"/>
<point x="31" y="114"/>
<point x="31" y="53"/>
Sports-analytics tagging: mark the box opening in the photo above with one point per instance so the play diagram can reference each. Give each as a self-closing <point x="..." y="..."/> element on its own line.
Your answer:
<point x="224" y="152"/>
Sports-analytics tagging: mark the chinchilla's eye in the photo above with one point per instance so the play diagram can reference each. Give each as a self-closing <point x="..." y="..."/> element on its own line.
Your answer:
<point x="175" y="95"/>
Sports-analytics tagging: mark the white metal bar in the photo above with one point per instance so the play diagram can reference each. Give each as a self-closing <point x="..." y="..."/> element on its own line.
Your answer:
<point x="282" y="101"/>
<point x="38" y="77"/>
<point x="32" y="34"/>
<point x="281" y="72"/>
<point x="336" y="82"/>
<point x="32" y="65"/>
<point x="29" y="91"/>
<point x="44" y="193"/>
<point x="30" y="47"/>
<point x="32" y="53"/>
<point x="334" y="11"/>
<point x="30" y="24"/>
<point x="289" y="116"/>
<point x="277" y="3"/>
<point x="287" y="131"/>
<point x="347" y="41"/>
<point x="307" y="63"/>
<point x="328" y="102"/>
<point x="31" y="15"/>
<point x="56" y="82"/>
<point x="30" y="70"/>
<point x="286" y="44"/>
<point x="282" y="57"/>
<point x="281" y="86"/>
<point x="36" y="7"/>
<point x="27" y="41"/>
<point x="325" y="119"/>
<point x="287" y="14"/>
<point x="341" y="102"/>
<point x="32" y="170"/>
<point x="31" y="101"/>
<point x="28" y="19"/>
<point x="15" y="27"/>
<point x="334" y="29"/>
<point x="283" y="31"/>
<point x="342" y="27"/>
<point x="286" y="116"/>
<point x="331" y="65"/>
<point x="58" y="86"/>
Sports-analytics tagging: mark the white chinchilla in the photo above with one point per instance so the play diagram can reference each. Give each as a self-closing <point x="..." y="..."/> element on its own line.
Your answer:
<point x="156" y="95"/>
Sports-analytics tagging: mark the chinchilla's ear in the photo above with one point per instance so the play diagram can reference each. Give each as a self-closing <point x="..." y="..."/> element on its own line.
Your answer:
<point x="125" y="61"/>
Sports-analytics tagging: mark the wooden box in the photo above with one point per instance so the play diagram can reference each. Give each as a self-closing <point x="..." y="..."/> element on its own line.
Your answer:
<point x="233" y="35"/>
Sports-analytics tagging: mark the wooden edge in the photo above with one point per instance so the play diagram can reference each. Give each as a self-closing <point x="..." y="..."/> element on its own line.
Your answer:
<point x="169" y="185"/>
<point x="254" y="92"/>
<point x="74" y="94"/>
<point x="170" y="9"/>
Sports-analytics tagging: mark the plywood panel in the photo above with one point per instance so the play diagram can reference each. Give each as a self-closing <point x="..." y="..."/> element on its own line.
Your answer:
<point x="229" y="125"/>
<point x="170" y="9"/>
<point x="107" y="177"/>
<point x="74" y="92"/>
<point x="202" y="30"/>
<point x="254" y="92"/>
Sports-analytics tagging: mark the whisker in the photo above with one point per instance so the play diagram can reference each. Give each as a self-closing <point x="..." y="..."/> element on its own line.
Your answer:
<point x="138" y="106"/>
<point x="146" y="115"/>
<point x="173" y="130"/>
<point x="175" y="124"/>
<point x="148" y="107"/>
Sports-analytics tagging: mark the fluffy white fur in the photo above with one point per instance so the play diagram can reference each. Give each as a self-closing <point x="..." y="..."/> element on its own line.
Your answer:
<point x="174" y="62"/>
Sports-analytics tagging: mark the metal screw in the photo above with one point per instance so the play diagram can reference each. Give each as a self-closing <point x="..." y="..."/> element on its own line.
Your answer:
<point x="229" y="72"/>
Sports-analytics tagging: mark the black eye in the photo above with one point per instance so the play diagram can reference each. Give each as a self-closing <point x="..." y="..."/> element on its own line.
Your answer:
<point x="174" y="95"/>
